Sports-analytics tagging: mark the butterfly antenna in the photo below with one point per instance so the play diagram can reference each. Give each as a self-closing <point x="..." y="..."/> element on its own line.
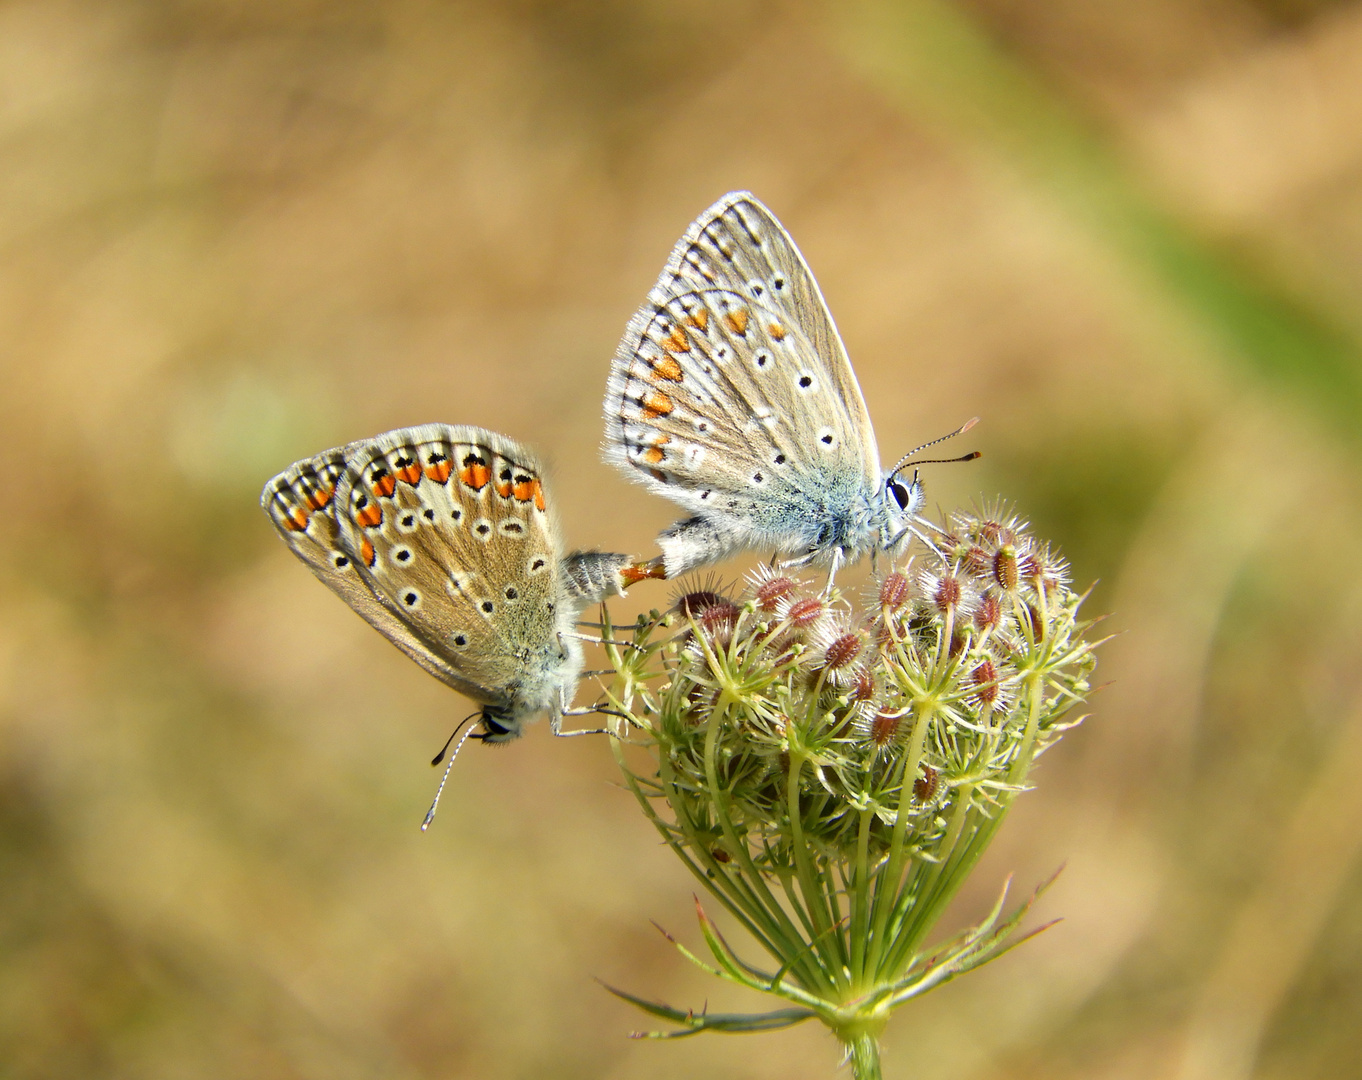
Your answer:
<point x="430" y="814"/>
<point x="913" y="453"/>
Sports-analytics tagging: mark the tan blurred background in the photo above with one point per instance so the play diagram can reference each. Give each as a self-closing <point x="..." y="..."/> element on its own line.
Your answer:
<point x="1129" y="236"/>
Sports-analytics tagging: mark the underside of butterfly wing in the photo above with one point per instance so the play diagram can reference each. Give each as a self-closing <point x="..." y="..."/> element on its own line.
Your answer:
<point x="453" y="534"/>
<point x="301" y="503"/>
<point x="731" y="394"/>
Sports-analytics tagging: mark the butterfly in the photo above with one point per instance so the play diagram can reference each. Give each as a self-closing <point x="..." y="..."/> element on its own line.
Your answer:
<point x="445" y="541"/>
<point x="732" y="395"/>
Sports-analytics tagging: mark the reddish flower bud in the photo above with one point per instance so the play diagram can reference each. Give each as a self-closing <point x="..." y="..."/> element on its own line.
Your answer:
<point x="947" y="593"/>
<point x="842" y="650"/>
<point x="805" y="612"/>
<point x="989" y="613"/>
<point x="1005" y="568"/>
<point x="718" y="620"/>
<point x="976" y="562"/>
<point x="863" y="689"/>
<point x="884" y="728"/>
<point x="985" y="680"/>
<point x="895" y="591"/>
<point x="693" y="603"/>
<point x="926" y="785"/>
<point x="772" y="591"/>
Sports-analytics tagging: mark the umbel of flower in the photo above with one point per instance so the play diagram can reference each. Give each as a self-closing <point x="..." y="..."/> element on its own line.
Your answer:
<point x="832" y="775"/>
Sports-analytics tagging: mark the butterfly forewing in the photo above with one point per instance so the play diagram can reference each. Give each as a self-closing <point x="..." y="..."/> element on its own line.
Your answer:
<point x="731" y="382"/>
<point x="452" y="534"/>
<point x="301" y="502"/>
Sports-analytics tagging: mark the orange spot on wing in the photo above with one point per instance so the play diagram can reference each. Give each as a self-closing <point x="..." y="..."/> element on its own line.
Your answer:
<point x="366" y="552"/>
<point x="475" y="474"/>
<point x="384" y="484"/>
<point x="538" y="495"/>
<point x="676" y="341"/>
<point x="316" y="500"/>
<point x="370" y="516"/>
<point x="737" y="321"/>
<point x="410" y="474"/>
<point x="667" y="368"/>
<point x="777" y="331"/>
<point x="504" y="488"/>
<point x="296" y="521"/>
<point x="526" y="489"/>
<point x="654" y="455"/>
<point x="698" y="319"/>
<point x="439" y="471"/>
<point x="656" y="403"/>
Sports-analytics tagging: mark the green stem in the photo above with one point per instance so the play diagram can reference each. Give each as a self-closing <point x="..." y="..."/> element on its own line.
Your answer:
<point x="810" y="973"/>
<point x="860" y="912"/>
<point x="819" y="917"/>
<point x="890" y="878"/>
<point x="864" y="1051"/>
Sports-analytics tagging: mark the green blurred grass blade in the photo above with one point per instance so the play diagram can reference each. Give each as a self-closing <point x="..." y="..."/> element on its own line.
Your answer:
<point x="929" y="58"/>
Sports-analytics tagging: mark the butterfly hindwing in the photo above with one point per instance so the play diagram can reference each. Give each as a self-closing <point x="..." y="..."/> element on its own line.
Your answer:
<point x="732" y="395"/>
<point x="452" y="534"/>
<point x="738" y="243"/>
<point x="301" y="503"/>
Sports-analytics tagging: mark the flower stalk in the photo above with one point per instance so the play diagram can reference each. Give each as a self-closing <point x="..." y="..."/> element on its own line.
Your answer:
<point x="831" y="777"/>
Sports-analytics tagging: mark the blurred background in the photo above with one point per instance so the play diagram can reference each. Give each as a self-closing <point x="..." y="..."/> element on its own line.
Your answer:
<point x="1128" y="236"/>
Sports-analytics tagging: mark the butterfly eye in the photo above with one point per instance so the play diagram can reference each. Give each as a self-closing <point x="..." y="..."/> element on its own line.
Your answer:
<point x="900" y="493"/>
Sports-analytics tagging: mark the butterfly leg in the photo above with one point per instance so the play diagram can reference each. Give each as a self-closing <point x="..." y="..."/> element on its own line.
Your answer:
<point x="598" y="641"/>
<point x="565" y="709"/>
<point x="912" y="530"/>
<point x="832" y="570"/>
<point x="793" y="564"/>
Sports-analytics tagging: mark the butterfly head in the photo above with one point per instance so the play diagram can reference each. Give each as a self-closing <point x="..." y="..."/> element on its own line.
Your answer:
<point x="500" y="724"/>
<point x="902" y="501"/>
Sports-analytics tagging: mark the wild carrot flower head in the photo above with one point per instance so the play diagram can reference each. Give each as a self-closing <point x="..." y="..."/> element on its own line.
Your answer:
<point x="853" y="765"/>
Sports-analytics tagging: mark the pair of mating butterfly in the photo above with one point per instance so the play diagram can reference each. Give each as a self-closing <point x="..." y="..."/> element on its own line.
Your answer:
<point x="730" y="393"/>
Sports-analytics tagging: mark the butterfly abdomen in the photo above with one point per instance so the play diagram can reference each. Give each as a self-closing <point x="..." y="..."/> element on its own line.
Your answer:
<point x="591" y="576"/>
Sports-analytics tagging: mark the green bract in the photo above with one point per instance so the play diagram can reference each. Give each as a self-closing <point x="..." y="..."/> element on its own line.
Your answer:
<point x="831" y="776"/>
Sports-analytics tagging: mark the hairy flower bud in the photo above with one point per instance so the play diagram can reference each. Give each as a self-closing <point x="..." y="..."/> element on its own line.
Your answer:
<point x="1005" y="568"/>
<point x="895" y="591"/>
<point x="772" y="591"/>
<point x="989" y="613"/>
<point x="805" y="612"/>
